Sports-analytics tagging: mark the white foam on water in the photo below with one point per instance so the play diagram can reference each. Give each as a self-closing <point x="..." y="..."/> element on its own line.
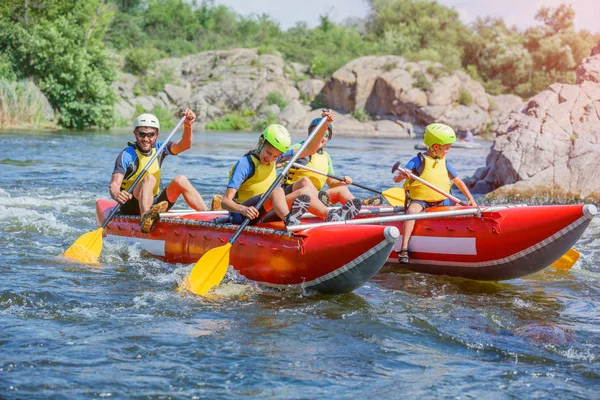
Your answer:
<point x="520" y="303"/>
<point x="579" y="354"/>
<point x="31" y="220"/>
<point x="64" y="202"/>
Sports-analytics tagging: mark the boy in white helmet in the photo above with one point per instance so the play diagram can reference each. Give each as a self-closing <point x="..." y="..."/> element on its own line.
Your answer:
<point x="146" y="199"/>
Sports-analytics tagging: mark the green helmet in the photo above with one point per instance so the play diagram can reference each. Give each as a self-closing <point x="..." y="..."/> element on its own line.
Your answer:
<point x="439" y="134"/>
<point x="278" y="137"/>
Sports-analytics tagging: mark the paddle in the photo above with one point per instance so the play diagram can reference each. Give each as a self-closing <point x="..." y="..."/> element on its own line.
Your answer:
<point x="87" y="247"/>
<point x="564" y="263"/>
<point x="397" y="167"/>
<point x="394" y="196"/>
<point x="210" y="270"/>
<point x="382" y="220"/>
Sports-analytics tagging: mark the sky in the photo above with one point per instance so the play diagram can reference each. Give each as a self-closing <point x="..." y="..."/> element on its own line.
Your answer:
<point x="514" y="12"/>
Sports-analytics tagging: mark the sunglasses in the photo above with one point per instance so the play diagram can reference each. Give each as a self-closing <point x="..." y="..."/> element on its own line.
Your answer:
<point x="144" y="134"/>
<point x="327" y="135"/>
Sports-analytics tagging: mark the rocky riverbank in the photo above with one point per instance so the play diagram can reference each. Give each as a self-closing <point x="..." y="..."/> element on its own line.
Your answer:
<point x="385" y="96"/>
<point x="549" y="148"/>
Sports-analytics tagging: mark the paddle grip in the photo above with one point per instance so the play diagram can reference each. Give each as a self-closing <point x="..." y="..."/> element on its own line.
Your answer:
<point x="285" y="170"/>
<point x="397" y="167"/>
<point x="341" y="179"/>
<point x="143" y="173"/>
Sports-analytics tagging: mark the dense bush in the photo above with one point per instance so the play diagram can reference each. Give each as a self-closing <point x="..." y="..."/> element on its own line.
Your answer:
<point x="62" y="54"/>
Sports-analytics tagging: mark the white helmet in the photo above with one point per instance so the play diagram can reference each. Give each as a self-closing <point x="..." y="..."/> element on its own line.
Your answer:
<point x="146" y="120"/>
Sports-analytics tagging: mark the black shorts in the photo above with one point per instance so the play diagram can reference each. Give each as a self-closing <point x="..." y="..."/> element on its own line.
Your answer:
<point x="236" y="218"/>
<point x="132" y="207"/>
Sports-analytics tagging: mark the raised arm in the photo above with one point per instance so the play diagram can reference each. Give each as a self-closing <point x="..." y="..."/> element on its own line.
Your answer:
<point x="186" y="139"/>
<point x="315" y="143"/>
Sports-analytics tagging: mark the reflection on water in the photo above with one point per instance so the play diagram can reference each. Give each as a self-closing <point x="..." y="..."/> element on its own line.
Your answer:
<point x="123" y="331"/>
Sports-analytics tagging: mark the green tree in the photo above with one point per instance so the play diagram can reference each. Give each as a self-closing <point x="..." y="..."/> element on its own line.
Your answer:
<point x="64" y="54"/>
<point x="419" y="28"/>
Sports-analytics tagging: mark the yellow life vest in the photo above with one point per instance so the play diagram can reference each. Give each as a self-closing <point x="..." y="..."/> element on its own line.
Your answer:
<point x="316" y="161"/>
<point x="153" y="170"/>
<point x="434" y="172"/>
<point x="258" y="182"/>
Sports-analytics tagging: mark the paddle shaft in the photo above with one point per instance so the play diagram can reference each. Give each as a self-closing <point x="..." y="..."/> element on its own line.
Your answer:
<point x="339" y="178"/>
<point x="380" y="220"/>
<point x="143" y="173"/>
<point x="429" y="185"/>
<point x="285" y="170"/>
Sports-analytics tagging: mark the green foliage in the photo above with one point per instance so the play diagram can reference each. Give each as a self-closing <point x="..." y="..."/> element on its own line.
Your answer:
<point x="262" y="124"/>
<point x="232" y="122"/>
<point x="152" y="84"/>
<point x="276" y="98"/>
<point x="6" y="68"/>
<point x="421" y="81"/>
<point x="73" y="72"/>
<point x="360" y="114"/>
<point x="19" y="105"/>
<point x="139" y="109"/>
<point x="164" y="116"/>
<point x="465" y="98"/>
<point x="319" y="102"/>
<point x="437" y="71"/>
<point x="419" y="29"/>
<point x="268" y="49"/>
<point x="139" y="60"/>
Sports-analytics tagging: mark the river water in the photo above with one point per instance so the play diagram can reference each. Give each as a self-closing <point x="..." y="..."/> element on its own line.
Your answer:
<point x="123" y="331"/>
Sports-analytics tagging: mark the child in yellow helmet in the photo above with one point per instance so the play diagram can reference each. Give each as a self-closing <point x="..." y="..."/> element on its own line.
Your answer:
<point x="432" y="167"/>
<point x="254" y="173"/>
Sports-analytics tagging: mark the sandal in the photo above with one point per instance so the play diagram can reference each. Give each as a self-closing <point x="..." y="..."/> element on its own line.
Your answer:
<point x="151" y="216"/>
<point x="403" y="256"/>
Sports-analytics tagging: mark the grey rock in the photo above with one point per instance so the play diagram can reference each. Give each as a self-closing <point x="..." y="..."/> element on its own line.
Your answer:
<point x="552" y="144"/>
<point x="310" y="88"/>
<point x="178" y="95"/>
<point x="292" y="114"/>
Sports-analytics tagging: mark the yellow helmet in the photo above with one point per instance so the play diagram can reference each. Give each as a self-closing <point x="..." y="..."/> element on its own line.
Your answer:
<point x="439" y="134"/>
<point x="278" y="137"/>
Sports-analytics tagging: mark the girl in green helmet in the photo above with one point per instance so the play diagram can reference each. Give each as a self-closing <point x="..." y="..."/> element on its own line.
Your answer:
<point x="432" y="167"/>
<point x="254" y="173"/>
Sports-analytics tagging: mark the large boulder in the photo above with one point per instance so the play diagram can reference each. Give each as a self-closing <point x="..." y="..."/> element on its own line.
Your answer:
<point x="551" y="144"/>
<point x="232" y="79"/>
<point x="418" y="92"/>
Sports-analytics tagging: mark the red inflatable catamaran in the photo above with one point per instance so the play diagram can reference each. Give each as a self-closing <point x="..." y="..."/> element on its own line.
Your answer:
<point x="491" y="243"/>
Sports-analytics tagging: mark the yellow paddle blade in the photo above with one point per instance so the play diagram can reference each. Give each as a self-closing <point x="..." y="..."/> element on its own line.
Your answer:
<point x="395" y="196"/>
<point x="567" y="260"/>
<point x="86" y="248"/>
<point x="209" y="271"/>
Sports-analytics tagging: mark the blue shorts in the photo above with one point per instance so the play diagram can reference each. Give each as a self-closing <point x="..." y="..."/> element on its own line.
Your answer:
<point x="237" y="219"/>
<point x="429" y="204"/>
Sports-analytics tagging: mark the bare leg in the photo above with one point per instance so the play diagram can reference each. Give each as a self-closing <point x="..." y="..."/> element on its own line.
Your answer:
<point x="277" y="202"/>
<point x="340" y="194"/>
<point x="144" y="193"/>
<point x="180" y="185"/>
<point x="316" y="206"/>
<point x="409" y="225"/>
<point x="305" y="183"/>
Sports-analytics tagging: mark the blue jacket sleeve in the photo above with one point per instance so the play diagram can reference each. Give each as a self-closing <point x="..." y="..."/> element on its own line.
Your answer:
<point x="241" y="170"/>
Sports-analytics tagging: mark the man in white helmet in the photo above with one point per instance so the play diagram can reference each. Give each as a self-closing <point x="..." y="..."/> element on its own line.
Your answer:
<point x="146" y="199"/>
